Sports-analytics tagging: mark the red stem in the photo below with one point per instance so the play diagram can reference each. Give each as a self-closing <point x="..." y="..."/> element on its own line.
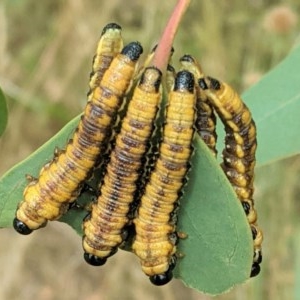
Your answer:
<point x="162" y="53"/>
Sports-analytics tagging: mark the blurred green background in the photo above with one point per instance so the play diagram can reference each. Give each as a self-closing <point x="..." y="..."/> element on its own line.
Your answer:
<point x="46" y="49"/>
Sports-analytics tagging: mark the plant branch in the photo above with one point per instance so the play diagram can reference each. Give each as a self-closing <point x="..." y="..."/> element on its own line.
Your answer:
<point x="162" y="53"/>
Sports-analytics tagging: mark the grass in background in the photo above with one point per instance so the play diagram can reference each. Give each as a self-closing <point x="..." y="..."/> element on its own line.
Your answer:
<point x="45" y="59"/>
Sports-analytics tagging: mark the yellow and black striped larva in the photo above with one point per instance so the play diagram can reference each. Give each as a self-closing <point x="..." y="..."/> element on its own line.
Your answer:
<point x="109" y="45"/>
<point x="239" y="153"/>
<point x="168" y="80"/>
<point x="105" y="227"/>
<point x="206" y="118"/>
<point x="59" y="182"/>
<point x="155" y="223"/>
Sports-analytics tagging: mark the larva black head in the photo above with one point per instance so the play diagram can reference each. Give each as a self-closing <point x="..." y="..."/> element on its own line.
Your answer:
<point x="184" y="81"/>
<point x="187" y="58"/>
<point x="161" y="279"/>
<point x="152" y="75"/>
<point x="214" y="84"/>
<point x="133" y="50"/>
<point x="255" y="269"/>
<point x="111" y="26"/>
<point x="94" y="260"/>
<point x="21" y="227"/>
<point x="164" y="278"/>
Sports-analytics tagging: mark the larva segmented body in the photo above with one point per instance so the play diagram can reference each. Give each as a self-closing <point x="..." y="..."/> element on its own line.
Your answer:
<point x="59" y="181"/>
<point x="206" y="119"/>
<point x="155" y="224"/>
<point x="239" y="153"/>
<point x="104" y="227"/>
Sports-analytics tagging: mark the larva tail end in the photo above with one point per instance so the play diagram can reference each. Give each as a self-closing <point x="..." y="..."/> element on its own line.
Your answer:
<point x="187" y="58"/>
<point x="111" y="26"/>
<point x="21" y="227"/>
<point x="94" y="260"/>
<point x="184" y="81"/>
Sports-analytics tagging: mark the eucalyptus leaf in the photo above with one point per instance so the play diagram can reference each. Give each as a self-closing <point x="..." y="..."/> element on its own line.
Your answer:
<point x="218" y="251"/>
<point x="275" y="104"/>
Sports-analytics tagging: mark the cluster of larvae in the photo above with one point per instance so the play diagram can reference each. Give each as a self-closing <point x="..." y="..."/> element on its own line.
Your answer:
<point x="138" y="194"/>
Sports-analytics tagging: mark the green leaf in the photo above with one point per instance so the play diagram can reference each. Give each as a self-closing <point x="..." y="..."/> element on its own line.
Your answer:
<point x="3" y="112"/>
<point x="218" y="251"/>
<point x="275" y="105"/>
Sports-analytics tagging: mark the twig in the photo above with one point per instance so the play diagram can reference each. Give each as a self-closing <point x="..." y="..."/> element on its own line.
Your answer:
<point x="162" y="53"/>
